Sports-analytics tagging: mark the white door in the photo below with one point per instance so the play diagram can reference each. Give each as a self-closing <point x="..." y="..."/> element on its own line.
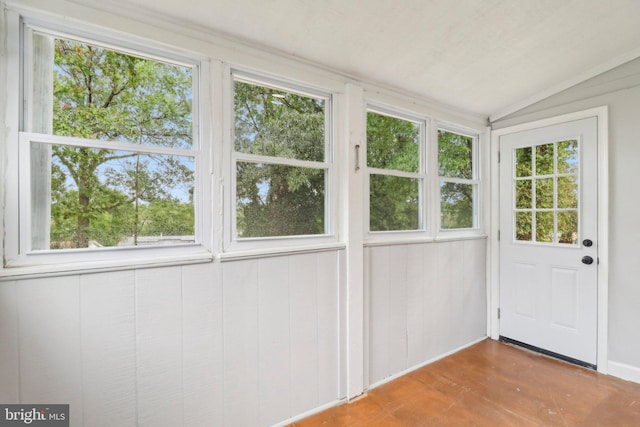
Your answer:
<point x="548" y="231"/>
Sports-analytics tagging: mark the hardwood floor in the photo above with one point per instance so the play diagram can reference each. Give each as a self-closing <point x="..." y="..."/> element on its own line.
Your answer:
<point x="492" y="384"/>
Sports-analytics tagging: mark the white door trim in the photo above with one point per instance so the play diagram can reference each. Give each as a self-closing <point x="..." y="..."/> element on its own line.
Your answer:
<point x="493" y="300"/>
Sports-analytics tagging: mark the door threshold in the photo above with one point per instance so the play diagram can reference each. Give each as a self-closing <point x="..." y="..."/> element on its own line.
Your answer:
<point x="548" y="353"/>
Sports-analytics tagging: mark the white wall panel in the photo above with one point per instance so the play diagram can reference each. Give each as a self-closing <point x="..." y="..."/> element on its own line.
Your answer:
<point x="159" y="347"/>
<point x="49" y="343"/>
<point x="424" y="300"/>
<point x="416" y="283"/>
<point x="9" y="356"/>
<point x="328" y="327"/>
<point x="274" y="330"/>
<point x="303" y="276"/>
<point x="432" y="309"/>
<point x="378" y="291"/>
<point x="397" y="338"/>
<point x="241" y="352"/>
<point x="108" y="337"/>
<point x="202" y="361"/>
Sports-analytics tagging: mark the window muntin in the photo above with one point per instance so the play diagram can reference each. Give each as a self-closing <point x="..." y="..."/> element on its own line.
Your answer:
<point x="108" y="148"/>
<point x="458" y="180"/>
<point x="546" y="189"/>
<point x="281" y="161"/>
<point x="396" y="176"/>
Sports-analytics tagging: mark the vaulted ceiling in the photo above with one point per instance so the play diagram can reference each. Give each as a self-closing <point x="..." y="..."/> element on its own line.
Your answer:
<point x="487" y="57"/>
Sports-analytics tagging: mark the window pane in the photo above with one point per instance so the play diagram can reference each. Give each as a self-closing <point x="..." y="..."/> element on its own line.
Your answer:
<point x="392" y="143"/>
<point x="544" y="193"/>
<point x="544" y="227"/>
<point x="523" y="162"/>
<point x="456" y="205"/>
<point x="272" y="122"/>
<point x="567" y="192"/>
<point x="544" y="159"/>
<point x="394" y="203"/>
<point x="523" y="194"/>
<point x="102" y="94"/>
<point x="568" y="227"/>
<point x="279" y="200"/>
<point x="523" y="226"/>
<point x="568" y="156"/>
<point x="455" y="155"/>
<point x="102" y="198"/>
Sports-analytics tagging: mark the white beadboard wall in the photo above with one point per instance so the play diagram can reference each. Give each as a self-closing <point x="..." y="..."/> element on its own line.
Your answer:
<point x="422" y="301"/>
<point x="240" y="343"/>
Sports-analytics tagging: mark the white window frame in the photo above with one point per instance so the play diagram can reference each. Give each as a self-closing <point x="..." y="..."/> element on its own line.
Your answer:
<point x="17" y="251"/>
<point x="422" y="175"/>
<point x="475" y="181"/>
<point x="233" y="245"/>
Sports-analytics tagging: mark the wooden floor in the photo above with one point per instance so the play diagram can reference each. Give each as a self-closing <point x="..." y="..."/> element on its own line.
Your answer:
<point x="492" y="384"/>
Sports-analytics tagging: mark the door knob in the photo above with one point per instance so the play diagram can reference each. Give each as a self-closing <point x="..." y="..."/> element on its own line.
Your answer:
<point x="587" y="260"/>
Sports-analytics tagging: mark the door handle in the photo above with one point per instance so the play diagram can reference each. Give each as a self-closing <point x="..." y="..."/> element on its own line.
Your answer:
<point x="587" y="260"/>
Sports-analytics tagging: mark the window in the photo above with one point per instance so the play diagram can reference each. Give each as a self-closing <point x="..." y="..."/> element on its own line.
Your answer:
<point x="281" y="162"/>
<point x="396" y="172"/>
<point x="108" y="152"/>
<point x="458" y="176"/>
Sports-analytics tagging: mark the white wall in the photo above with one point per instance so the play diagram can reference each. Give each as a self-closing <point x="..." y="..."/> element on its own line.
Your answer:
<point x="620" y="90"/>
<point x="423" y="300"/>
<point x="242" y="343"/>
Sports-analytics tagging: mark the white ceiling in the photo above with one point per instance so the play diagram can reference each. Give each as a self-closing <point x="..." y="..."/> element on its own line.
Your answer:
<point x="487" y="57"/>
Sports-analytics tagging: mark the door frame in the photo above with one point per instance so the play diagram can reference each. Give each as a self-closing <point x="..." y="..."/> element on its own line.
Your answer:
<point x="493" y="270"/>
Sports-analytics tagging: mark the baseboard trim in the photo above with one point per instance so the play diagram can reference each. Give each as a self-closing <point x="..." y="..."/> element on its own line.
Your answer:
<point x="624" y="371"/>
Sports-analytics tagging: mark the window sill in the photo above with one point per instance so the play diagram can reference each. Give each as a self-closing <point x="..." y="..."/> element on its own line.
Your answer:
<point x="66" y="269"/>
<point x="414" y="241"/>
<point x="293" y="250"/>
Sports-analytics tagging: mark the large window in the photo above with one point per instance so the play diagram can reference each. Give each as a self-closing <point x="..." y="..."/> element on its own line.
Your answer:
<point x="396" y="172"/>
<point x="458" y="176"/>
<point x="281" y="160"/>
<point x="108" y="150"/>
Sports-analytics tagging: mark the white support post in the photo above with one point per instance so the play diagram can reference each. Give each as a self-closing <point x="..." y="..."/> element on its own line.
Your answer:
<point x="353" y="215"/>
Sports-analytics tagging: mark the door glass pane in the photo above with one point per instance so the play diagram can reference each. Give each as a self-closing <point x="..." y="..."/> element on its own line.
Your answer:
<point x="523" y="162"/>
<point x="568" y="156"/>
<point x="544" y="193"/>
<point x="552" y="194"/>
<point x="544" y="159"/>
<point x="568" y="227"/>
<point x="567" y="192"/>
<point x="523" y="226"/>
<point x="523" y="194"/>
<point x="544" y="227"/>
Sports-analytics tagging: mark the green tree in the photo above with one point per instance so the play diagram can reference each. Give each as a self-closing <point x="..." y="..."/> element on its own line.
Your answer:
<point x="106" y="95"/>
